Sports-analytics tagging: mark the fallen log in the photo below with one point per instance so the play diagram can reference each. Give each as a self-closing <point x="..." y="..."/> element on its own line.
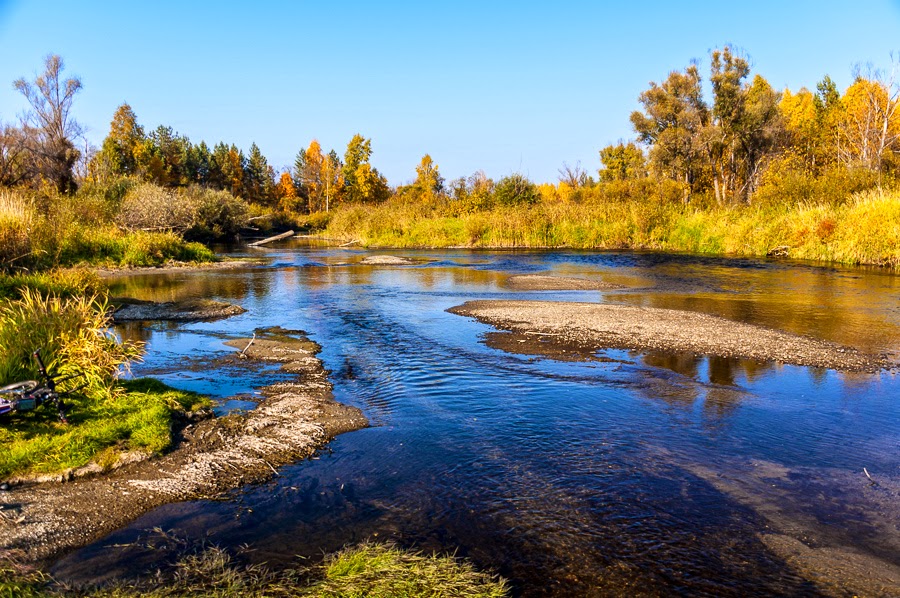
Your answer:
<point x="289" y="233"/>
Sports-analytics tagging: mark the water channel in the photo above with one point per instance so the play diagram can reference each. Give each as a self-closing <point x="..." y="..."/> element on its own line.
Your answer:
<point x="618" y="473"/>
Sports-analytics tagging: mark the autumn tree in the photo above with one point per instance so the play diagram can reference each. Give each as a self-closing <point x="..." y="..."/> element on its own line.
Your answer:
<point x="14" y="156"/>
<point x="227" y="169"/>
<point x="297" y="173"/>
<point x="870" y="123"/>
<point x="671" y="124"/>
<point x="48" y="130"/>
<point x="515" y="190"/>
<point x="333" y="177"/>
<point x="310" y="174"/>
<point x="362" y="182"/>
<point x="429" y="181"/>
<point x="573" y="176"/>
<point x="761" y="135"/>
<point x="802" y="127"/>
<point x="622" y="161"/>
<point x="728" y="71"/>
<point x="285" y="192"/>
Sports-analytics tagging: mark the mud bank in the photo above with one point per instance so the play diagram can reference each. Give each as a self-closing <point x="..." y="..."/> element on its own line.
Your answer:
<point x="39" y="521"/>
<point x="596" y="326"/>
<point x="130" y="310"/>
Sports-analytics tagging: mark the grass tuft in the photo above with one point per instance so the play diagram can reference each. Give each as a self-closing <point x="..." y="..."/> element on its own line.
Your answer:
<point x="379" y="570"/>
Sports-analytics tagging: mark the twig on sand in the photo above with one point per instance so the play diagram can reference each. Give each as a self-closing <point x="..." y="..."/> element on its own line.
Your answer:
<point x="866" y="471"/>
<point x="242" y="354"/>
<point x="275" y="471"/>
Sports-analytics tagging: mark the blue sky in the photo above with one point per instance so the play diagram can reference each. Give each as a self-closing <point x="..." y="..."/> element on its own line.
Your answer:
<point x="496" y="86"/>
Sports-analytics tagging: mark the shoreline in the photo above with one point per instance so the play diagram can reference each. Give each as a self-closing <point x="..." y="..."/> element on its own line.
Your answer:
<point x="595" y="326"/>
<point x="41" y="521"/>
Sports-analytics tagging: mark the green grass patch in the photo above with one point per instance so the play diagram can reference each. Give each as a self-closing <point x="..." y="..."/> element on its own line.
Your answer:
<point x="367" y="570"/>
<point x="108" y="246"/>
<point x="379" y="570"/>
<point x="137" y="415"/>
<point x="62" y="283"/>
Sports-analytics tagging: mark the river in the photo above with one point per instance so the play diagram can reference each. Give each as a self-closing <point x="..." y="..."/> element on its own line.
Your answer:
<point x="615" y="473"/>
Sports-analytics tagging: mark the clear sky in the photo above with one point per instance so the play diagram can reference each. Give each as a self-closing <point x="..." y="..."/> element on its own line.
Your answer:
<point x="496" y="86"/>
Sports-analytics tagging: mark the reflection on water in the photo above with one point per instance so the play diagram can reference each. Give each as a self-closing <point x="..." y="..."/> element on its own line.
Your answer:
<point x="628" y="474"/>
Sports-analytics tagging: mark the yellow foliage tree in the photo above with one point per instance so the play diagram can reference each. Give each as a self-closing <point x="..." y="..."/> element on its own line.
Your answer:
<point x="870" y="127"/>
<point x="286" y="193"/>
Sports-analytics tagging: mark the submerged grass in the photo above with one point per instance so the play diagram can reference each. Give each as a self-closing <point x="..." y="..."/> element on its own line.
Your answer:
<point x="137" y="415"/>
<point x="864" y="229"/>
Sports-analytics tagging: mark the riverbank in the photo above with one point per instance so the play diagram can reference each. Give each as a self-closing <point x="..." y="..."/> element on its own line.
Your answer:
<point x="42" y="520"/>
<point x="863" y="228"/>
<point x="593" y="326"/>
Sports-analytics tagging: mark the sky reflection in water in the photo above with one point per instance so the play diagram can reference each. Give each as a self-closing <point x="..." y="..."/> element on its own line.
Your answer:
<point x="638" y="473"/>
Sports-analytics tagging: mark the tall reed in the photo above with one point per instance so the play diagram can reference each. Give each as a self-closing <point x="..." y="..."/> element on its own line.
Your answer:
<point x="73" y="334"/>
<point x="863" y="229"/>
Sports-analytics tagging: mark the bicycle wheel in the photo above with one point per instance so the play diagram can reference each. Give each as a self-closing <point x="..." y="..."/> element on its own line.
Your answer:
<point x="19" y="388"/>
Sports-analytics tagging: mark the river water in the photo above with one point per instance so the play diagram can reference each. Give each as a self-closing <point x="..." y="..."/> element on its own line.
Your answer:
<point x="618" y="473"/>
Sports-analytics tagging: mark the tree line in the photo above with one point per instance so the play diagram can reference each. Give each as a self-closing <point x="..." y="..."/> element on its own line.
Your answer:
<point x="728" y="144"/>
<point x="721" y="148"/>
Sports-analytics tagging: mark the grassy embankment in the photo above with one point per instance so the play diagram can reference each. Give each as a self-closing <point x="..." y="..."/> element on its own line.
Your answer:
<point x="863" y="228"/>
<point x="41" y="232"/>
<point x="364" y="570"/>
<point x="65" y="314"/>
<point x="106" y="417"/>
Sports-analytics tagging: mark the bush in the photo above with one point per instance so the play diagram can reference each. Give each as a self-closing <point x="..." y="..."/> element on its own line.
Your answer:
<point x="149" y="207"/>
<point x="156" y="249"/>
<point x="515" y="190"/>
<point x="787" y="183"/>
<point x="216" y="214"/>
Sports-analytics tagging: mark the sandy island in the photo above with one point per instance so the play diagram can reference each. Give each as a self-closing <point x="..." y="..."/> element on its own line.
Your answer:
<point x="596" y="326"/>
<point x="543" y="282"/>
<point x="42" y="520"/>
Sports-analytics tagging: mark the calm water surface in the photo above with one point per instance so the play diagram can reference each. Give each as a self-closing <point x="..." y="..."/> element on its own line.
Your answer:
<point x="639" y="474"/>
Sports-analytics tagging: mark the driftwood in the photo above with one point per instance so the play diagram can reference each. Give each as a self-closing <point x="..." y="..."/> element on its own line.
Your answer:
<point x="290" y="233"/>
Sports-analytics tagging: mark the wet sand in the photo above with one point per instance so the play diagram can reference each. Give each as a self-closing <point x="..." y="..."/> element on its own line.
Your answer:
<point x="597" y="326"/>
<point x="39" y="521"/>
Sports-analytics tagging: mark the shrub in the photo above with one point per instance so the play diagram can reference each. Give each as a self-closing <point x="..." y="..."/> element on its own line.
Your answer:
<point x="149" y="207"/>
<point x="515" y="190"/>
<point x="216" y="214"/>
